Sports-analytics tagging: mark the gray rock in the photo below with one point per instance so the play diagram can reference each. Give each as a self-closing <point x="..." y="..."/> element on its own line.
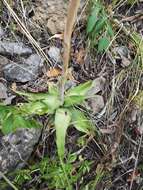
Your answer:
<point x="98" y="85"/>
<point x="1" y="32"/>
<point x="54" y="53"/>
<point x="3" y="62"/>
<point x="16" y="148"/>
<point x="27" y="71"/>
<point x="13" y="48"/>
<point x="96" y="103"/>
<point x="3" y="91"/>
<point x="123" y="53"/>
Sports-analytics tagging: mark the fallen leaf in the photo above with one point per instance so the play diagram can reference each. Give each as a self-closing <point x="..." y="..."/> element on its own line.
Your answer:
<point x="54" y="72"/>
<point x="133" y="176"/>
<point x="79" y="56"/>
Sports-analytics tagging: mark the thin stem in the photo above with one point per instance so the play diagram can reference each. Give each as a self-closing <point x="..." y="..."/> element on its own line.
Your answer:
<point x="8" y="181"/>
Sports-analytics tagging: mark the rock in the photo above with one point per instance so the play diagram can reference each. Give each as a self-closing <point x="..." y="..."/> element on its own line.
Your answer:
<point x="123" y="53"/>
<point x="27" y="71"/>
<point x="3" y="91"/>
<point x="96" y="104"/>
<point x="1" y="32"/>
<point x="52" y="14"/>
<point x="16" y="148"/>
<point x="98" y="85"/>
<point x="54" y="53"/>
<point x="3" y="62"/>
<point x="13" y="48"/>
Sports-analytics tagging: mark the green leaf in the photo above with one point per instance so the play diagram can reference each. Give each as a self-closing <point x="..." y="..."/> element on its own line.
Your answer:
<point x="100" y="24"/>
<point x="53" y="89"/>
<point x="45" y="106"/>
<point x="103" y="44"/>
<point x="109" y="29"/>
<point x="13" y="122"/>
<point x="73" y="100"/>
<point x="80" y="90"/>
<point x="77" y="94"/>
<point x="62" y="121"/>
<point x="81" y="122"/>
<point x="93" y="18"/>
<point x="7" y="124"/>
<point x="33" y="96"/>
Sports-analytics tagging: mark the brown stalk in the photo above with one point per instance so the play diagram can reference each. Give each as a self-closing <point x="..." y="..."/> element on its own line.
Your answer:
<point x="71" y="17"/>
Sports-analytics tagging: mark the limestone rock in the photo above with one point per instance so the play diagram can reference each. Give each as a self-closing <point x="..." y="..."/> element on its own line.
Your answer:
<point x="16" y="148"/>
<point x="24" y="72"/>
<point x="14" y="48"/>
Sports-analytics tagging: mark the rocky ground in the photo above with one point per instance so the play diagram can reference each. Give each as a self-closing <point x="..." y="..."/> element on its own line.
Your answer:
<point x="114" y="156"/>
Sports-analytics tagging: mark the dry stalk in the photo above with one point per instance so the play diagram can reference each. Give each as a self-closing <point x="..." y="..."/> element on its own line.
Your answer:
<point x="71" y="17"/>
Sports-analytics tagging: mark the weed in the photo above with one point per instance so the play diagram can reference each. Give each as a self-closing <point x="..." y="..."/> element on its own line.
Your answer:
<point x="99" y="28"/>
<point x="51" y="173"/>
<point x="13" y="117"/>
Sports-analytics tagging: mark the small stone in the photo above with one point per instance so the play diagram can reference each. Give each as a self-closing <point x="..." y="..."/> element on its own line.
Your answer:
<point x="13" y="48"/>
<point x="123" y="53"/>
<point x="98" y="85"/>
<point x="96" y="103"/>
<point x="54" y="53"/>
<point x="52" y="14"/>
<point x="25" y="72"/>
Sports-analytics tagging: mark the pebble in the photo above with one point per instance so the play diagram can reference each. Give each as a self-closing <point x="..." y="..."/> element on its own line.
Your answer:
<point x="54" y="54"/>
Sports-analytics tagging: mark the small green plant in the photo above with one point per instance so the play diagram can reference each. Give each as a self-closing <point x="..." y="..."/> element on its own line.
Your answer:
<point x="51" y="172"/>
<point x="99" y="28"/>
<point x="64" y="114"/>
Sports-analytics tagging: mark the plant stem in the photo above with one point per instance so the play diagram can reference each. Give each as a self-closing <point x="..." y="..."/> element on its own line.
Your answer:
<point x="71" y="17"/>
<point x="8" y="181"/>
